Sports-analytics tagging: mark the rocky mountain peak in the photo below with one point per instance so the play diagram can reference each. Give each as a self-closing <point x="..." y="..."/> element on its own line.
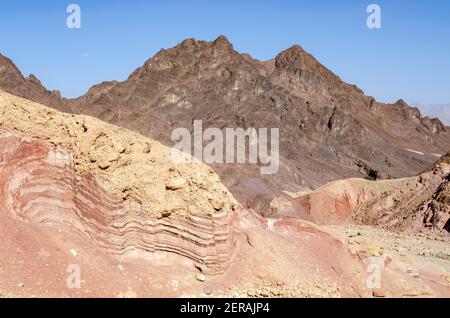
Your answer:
<point x="4" y="61"/>
<point x="8" y="71"/>
<point x="32" y="78"/>
<point x="191" y="52"/>
<point x="222" y="42"/>
<point x="293" y="56"/>
<point x="298" y="66"/>
<point x="12" y="81"/>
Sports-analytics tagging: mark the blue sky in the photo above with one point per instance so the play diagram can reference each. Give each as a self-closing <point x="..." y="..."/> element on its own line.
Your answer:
<point x="408" y="58"/>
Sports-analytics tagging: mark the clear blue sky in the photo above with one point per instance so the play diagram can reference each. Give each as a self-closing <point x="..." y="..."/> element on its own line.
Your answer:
<point x="408" y="58"/>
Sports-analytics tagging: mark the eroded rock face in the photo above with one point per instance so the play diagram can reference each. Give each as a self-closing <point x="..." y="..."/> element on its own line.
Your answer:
<point x="12" y="81"/>
<point x="436" y="210"/>
<point x="40" y="185"/>
<point x="412" y="204"/>
<point x="334" y="203"/>
<point x="118" y="188"/>
<point x="129" y="165"/>
<point x="52" y="218"/>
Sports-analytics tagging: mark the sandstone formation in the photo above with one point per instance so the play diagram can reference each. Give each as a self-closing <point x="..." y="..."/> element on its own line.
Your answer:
<point x="411" y="204"/>
<point x="110" y="185"/>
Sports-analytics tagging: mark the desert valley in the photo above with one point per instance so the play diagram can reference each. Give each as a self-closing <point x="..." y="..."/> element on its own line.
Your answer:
<point x="358" y="207"/>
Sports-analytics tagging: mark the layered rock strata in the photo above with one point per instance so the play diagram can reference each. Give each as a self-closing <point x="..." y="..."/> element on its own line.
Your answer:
<point x="43" y="182"/>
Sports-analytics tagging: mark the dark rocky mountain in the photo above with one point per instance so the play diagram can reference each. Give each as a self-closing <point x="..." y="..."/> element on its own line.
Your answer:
<point x="13" y="82"/>
<point x="441" y="111"/>
<point x="329" y="129"/>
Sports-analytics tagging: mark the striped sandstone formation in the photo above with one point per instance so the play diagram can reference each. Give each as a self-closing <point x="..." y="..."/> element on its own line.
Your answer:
<point x="115" y="187"/>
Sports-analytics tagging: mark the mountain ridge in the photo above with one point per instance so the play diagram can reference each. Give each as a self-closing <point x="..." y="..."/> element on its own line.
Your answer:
<point x="329" y="129"/>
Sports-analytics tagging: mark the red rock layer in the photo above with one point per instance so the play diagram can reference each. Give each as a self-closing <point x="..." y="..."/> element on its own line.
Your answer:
<point x="39" y="185"/>
<point x="411" y="204"/>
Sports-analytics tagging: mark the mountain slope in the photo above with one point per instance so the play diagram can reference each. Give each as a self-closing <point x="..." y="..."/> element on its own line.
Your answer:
<point x="13" y="82"/>
<point x="329" y="130"/>
<point x="441" y="111"/>
<point x="416" y="204"/>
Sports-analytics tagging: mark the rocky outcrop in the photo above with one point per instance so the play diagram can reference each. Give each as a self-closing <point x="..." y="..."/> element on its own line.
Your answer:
<point x="415" y="204"/>
<point x="134" y="167"/>
<point x="298" y="67"/>
<point x="442" y="111"/>
<point x="13" y="82"/>
<point x="435" y="211"/>
<point x="45" y="183"/>
<point x="333" y="203"/>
